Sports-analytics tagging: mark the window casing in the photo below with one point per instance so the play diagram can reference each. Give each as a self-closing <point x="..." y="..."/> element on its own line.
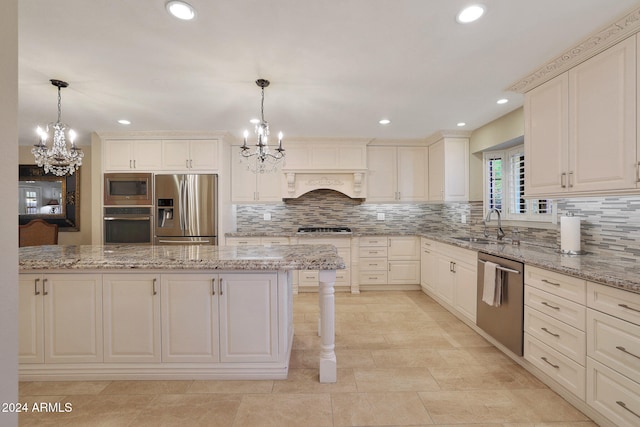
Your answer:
<point x="504" y="187"/>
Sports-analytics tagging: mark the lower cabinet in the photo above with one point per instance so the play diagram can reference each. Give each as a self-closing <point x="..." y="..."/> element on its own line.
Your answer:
<point x="453" y="277"/>
<point x="131" y="316"/>
<point x="388" y="261"/>
<point x="60" y="318"/>
<point x="428" y="265"/>
<point x="173" y="321"/>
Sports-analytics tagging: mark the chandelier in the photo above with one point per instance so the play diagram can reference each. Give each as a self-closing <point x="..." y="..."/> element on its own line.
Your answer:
<point x="57" y="159"/>
<point x="261" y="159"/>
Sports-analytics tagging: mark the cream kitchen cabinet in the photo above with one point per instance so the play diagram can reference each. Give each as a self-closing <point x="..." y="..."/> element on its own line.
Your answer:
<point x="251" y="187"/>
<point x="198" y="155"/>
<point x="554" y="328"/>
<point x="219" y="317"/>
<point x="428" y="265"/>
<point x="387" y="261"/>
<point x="131" y="313"/>
<point x="190" y="318"/>
<point x="397" y="174"/>
<point x="613" y="351"/>
<point x="60" y="318"/>
<point x="568" y="118"/>
<point x="449" y="170"/>
<point x="132" y="155"/>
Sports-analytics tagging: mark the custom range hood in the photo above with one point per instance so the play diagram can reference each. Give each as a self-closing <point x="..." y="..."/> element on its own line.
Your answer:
<point x="351" y="184"/>
<point x="316" y="164"/>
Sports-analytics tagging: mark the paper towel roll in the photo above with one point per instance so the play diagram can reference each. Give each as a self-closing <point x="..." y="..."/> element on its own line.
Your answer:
<point x="570" y="234"/>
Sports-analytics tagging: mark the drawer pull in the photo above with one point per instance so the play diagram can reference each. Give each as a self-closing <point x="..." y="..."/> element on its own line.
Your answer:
<point x="624" y="350"/>
<point x="550" y="333"/>
<point x="549" y="363"/>
<point x="621" y="403"/>
<point x="550" y="306"/>
<point x="373" y="278"/>
<point x="550" y="283"/>
<point x="628" y="308"/>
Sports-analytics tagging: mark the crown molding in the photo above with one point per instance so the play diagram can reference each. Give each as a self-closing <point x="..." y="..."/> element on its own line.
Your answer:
<point x="451" y="133"/>
<point x="599" y="41"/>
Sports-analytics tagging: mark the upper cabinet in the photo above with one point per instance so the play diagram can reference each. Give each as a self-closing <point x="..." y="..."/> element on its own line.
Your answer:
<point x="580" y="127"/>
<point x="397" y="174"/>
<point x="157" y="155"/>
<point x="449" y="170"/>
<point x="198" y="155"/>
<point x="249" y="187"/>
<point x="132" y="155"/>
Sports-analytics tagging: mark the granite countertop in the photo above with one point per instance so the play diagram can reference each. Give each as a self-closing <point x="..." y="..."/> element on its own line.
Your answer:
<point x="197" y="257"/>
<point x="608" y="270"/>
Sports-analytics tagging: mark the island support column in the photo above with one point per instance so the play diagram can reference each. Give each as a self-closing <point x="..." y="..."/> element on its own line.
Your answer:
<point x="328" y="367"/>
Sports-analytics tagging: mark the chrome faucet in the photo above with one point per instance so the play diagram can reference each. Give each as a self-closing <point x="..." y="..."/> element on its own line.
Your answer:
<point x="500" y="232"/>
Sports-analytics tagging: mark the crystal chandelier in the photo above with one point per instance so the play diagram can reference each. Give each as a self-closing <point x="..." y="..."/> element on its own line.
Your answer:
<point x="58" y="159"/>
<point x="262" y="159"/>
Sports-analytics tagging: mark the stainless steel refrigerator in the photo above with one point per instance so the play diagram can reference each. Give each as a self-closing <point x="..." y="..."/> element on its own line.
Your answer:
<point x="186" y="208"/>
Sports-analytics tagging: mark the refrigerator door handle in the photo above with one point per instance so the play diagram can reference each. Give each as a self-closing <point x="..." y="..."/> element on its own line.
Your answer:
<point x="182" y="206"/>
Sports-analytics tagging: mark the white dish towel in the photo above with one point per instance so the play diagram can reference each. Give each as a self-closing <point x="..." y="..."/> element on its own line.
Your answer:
<point x="492" y="284"/>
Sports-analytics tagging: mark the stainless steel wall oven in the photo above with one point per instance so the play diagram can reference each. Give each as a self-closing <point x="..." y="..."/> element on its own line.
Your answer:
<point x="128" y="225"/>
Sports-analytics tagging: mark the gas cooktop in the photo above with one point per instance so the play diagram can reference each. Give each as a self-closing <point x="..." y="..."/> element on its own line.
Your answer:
<point x="324" y="230"/>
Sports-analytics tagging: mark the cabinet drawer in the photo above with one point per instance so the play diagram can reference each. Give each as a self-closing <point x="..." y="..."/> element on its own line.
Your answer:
<point x="613" y="395"/>
<point x="559" y="308"/>
<point x="242" y="241"/>
<point x="563" y="370"/>
<point x="557" y="335"/>
<point x="343" y="278"/>
<point x="567" y="287"/>
<point x="615" y="343"/>
<point x="616" y="302"/>
<point x="373" y="252"/>
<point x="375" y="264"/>
<point x="427" y="244"/>
<point x="308" y="278"/>
<point x="374" y="241"/>
<point x="274" y="241"/>
<point x="373" y="278"/>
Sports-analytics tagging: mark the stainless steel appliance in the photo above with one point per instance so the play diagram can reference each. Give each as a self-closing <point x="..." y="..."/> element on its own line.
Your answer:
<point x="130" y="225"/>
<point x="504" y="323"/>
<point x="186" y="206"/>
<point x="128" y="189"/>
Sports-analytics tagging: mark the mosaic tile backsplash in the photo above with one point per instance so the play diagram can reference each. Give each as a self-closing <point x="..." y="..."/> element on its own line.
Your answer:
<point x="609" y="224"/>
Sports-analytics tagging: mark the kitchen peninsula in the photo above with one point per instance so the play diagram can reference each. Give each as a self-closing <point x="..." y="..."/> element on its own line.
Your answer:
<point x="167" y="312"/>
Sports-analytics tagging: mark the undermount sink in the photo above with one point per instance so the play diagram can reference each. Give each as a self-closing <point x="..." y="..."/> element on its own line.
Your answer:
<point x="478" y="240"/>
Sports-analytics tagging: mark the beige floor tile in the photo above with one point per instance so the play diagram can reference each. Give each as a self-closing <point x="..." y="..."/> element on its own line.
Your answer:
<point x="361" y="341"/>
<point x="487" y="406"/>
<point x="307" y="381"/>
<point x="479" y="377"/>
<point x="61" y="388"/>
<point x="349" y="358"/>
<point x="547" y="406"/>
<point x="421" y="340"/>
<point x="147" y="387"/>
<point x="378" y="409"/>
<point x="559" y="424"/>
<point x="407" y="357"/>
<point x="395" y="379"/>
<point x="284" y="410"/>
<point x="188" y="410"/>
<point x="230" y="387"/>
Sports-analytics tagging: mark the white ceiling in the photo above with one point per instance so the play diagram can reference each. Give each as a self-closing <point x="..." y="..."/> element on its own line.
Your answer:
<point x="336" y="66"/>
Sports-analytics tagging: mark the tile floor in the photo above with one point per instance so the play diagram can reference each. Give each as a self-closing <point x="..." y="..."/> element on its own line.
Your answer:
<point x="402" y="361"/>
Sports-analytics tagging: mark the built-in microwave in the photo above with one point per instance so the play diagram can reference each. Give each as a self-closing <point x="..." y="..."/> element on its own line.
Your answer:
<point x="128" y="189"/>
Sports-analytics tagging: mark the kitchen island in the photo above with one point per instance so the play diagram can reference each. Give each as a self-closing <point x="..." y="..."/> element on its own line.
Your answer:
<point x="167" y="312"/>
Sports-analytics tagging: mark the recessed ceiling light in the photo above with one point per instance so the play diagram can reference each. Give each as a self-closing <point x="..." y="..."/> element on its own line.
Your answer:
<point x="181" y="10"/>
<point x="502" y="101"/>
<point x="384" y="121"/>
<point x="124" y="122"/>
<point x="470" y="13"/>
<point x="461" y="124"/>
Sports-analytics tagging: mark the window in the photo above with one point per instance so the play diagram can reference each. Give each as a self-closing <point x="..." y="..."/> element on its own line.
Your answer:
<point x="504" y="187"/>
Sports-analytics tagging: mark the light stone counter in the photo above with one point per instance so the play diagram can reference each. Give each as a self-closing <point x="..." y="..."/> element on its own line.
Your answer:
<point x="179" y="257"/>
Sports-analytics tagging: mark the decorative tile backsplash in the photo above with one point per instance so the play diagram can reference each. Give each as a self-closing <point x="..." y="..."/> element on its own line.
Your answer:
<point x="609" y="224"/>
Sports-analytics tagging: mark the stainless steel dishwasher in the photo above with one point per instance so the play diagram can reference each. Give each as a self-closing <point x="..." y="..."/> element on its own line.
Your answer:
<point x="504" y="323"/>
